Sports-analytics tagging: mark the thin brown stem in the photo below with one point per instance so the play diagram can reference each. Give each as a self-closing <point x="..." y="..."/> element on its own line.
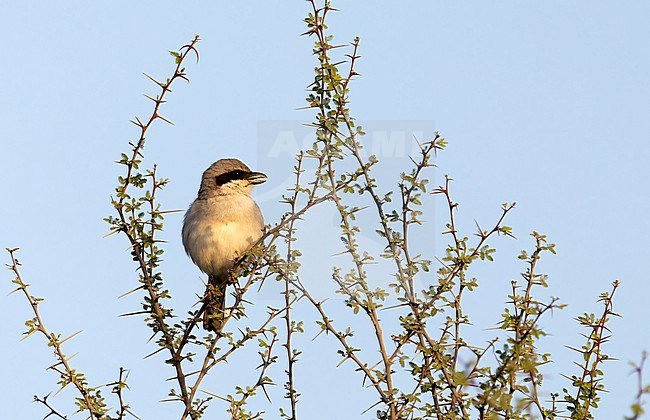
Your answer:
<point x="157" y="313"/>
<point x="69" y="375"/>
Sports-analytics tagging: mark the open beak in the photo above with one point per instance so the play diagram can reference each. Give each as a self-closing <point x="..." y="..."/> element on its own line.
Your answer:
<point x="256" y="178"/>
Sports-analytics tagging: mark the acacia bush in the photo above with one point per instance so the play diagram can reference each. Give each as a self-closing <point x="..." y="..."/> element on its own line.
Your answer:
<point x="419" y="362"/>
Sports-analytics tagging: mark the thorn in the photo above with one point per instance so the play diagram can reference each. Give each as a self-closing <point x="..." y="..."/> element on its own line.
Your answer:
<point x="156" y="99"/>
<point x="129" y="292"/>
<point x="28" y="335"/>
<point x="69" y="337"/>
<point x="59" y="390"/>
<point x="170" y="399"/>
<point x="151" y="338"/>
<point x="153" y="80"/>
<point x="155" y="352"/>
<point x="110" y="233"/>
<point x="133" y="313"/>
<point x="371" y="407"/>
<point x="343" y="361"/>
<point x="164" y="119"/>
<point x="190" y="47"/>
<point x="216" y="396"/>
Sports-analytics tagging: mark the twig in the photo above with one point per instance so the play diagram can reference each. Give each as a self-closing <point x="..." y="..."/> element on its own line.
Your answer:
<point x="68" y="375"/>
<point x="128" y="223"/>
<point x="52" y="412"/>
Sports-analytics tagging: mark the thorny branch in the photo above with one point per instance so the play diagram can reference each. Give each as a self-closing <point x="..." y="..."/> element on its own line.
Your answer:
<point x="589" y="384"/>
<point x="90" y="399"/>
<point x="643" y="389"/>
<point x="130" y="223"/>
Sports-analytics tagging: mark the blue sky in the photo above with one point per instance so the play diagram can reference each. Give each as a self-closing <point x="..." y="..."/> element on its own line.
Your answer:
<point x="545" y="104"/>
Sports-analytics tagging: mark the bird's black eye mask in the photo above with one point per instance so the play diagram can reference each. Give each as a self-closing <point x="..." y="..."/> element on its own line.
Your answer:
<point x="230" y="176"/>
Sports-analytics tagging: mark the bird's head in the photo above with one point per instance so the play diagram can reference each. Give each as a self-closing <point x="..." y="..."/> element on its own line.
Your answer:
<point x="229" y="176"/>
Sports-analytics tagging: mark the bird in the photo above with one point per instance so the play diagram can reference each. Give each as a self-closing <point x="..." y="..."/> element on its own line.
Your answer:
<point x="221" y="224"/>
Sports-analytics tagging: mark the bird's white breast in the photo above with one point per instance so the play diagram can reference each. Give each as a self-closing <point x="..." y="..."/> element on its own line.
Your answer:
<point x="219" y="229"/>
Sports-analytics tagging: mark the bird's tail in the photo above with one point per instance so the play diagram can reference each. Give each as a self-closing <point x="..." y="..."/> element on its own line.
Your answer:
<point x="215" y="304"/>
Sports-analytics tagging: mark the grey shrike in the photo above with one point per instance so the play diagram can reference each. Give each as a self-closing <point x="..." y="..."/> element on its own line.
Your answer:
<point x="220" y="225"/>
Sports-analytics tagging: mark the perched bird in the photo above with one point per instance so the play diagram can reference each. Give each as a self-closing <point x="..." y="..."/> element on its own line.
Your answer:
<point x="220" y="225"/>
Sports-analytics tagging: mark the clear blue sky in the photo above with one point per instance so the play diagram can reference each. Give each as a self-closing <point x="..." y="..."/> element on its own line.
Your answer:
<point x="546" y="104"/>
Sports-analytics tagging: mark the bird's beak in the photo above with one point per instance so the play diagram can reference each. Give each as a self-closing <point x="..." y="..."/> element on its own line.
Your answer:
<point x="256" y="178"/>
